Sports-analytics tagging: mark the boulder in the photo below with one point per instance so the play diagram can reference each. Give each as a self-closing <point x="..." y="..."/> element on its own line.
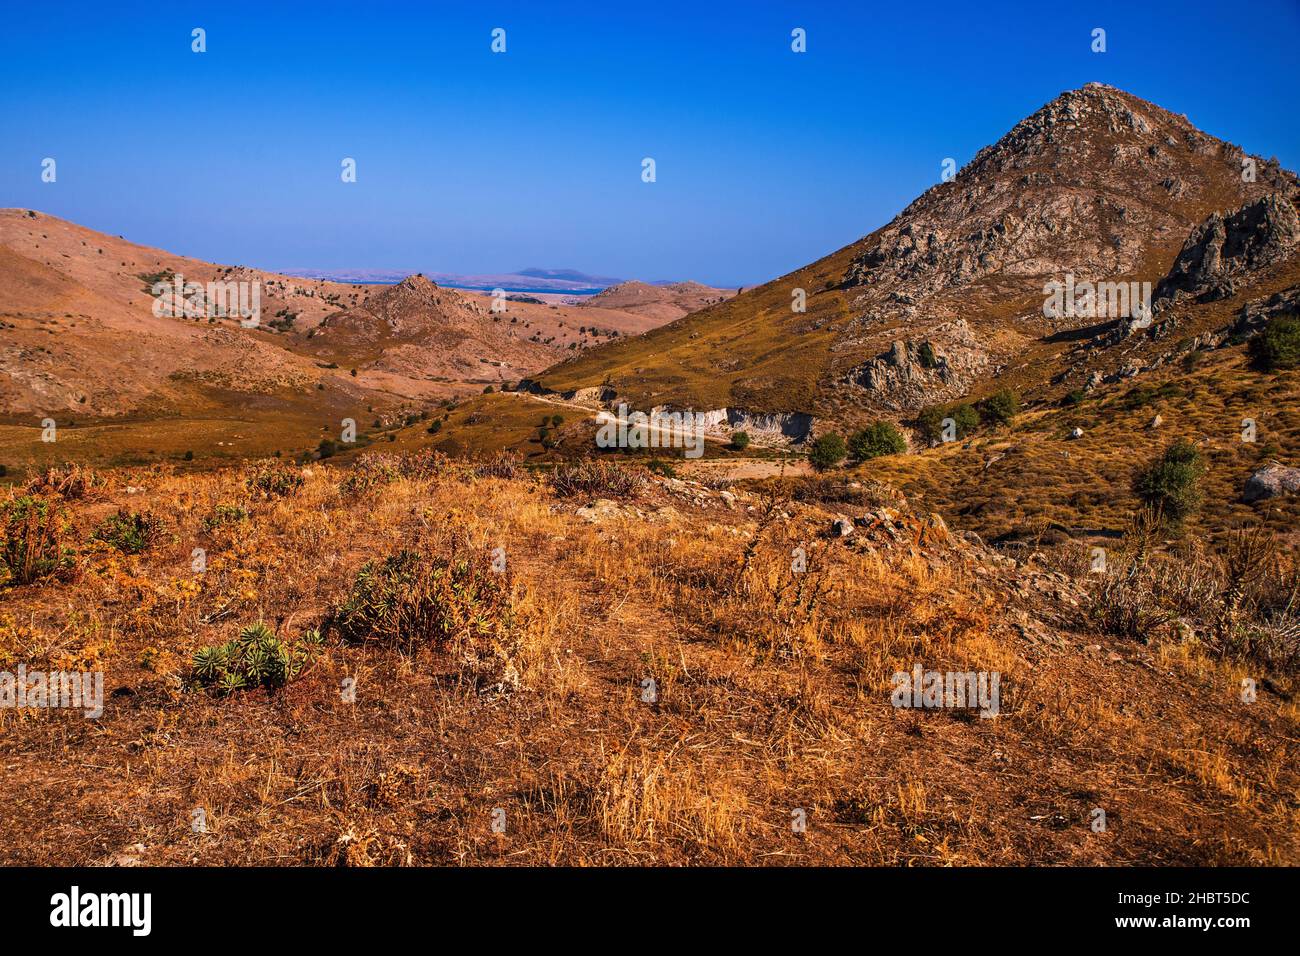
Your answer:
<point x="602" y="509"/>
<point x="1272" y="481"/>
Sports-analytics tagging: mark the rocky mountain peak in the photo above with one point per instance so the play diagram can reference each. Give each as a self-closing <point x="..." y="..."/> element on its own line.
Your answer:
<point x="1097" y="184"/>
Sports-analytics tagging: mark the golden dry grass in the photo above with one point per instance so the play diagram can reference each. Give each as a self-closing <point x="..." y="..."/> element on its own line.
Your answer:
<point x="770" y="697"/>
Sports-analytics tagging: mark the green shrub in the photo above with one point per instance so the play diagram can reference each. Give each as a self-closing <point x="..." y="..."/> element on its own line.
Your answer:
<point x="411" y="600"/>
<point x="740" y="440"/>
<point x="272" y="479"/>
<point x="662" y="468"/>
<point x="130" y="532"/>
<point x="32" y="531"/>
<point x="257" y="658"/>
<point x="827" y="451"/>
<point x="1074" y="397"/>
<point x="1277" y="345"/>
<point x="930" y="422"/>
<point x="327" y="448"/>
<point x="1171" y="484"/>
<point x="1000" y="407"/>
<point x="882" y="438"/>
<point x="927" y="356"/>
<point x="224" y="514"/>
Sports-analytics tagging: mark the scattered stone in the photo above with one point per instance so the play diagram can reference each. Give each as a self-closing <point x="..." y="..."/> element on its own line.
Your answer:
<point x="1076" y="432"/>
<point x="602" y="509"/>
<point x="128" y="857"/>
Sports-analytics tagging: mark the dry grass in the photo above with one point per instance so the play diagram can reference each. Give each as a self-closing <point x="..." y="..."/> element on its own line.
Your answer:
<point x="678" y="693"/>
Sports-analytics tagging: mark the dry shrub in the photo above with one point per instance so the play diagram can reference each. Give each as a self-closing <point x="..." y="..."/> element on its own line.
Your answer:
<point x="273" y="479"/>
<point x="504" y="464"/>
<point x="429" y="465"/>
<point x="460" y="604"/>
<point x="68" y="480"/>
<point x="1243" y="600"/>
<point x="774" y="609"/>
<point x="597" y="478"/>
<point x="370" y="471"/>
<point x="366" y="848"/>
<point x="32" y="534"/>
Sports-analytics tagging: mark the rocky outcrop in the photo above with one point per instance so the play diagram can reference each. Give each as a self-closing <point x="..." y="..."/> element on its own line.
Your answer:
<point x="1272" y="481"/>
<point x="915" y="373"/>
<point x="1226" y="248"/>
<point x="774" y="426"/>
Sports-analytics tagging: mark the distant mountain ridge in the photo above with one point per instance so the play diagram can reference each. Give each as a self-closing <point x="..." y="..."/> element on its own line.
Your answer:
<point x="532" y="279"/>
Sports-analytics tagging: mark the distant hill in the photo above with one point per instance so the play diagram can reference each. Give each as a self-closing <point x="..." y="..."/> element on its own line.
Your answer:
<point x="80" y="343"/>
<point x="667" y="301"/>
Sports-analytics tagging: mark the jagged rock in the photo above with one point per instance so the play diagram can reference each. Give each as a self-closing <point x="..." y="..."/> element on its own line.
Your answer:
<point x="842" y="526"/>
<point x="1257" y="313"/>
<point x="1225" y="248"/>
<point x="1156" y="422"/>
<point x="1272" y="481"/>
<point x="1076" y="432"/>
<point x="913" y="373"/>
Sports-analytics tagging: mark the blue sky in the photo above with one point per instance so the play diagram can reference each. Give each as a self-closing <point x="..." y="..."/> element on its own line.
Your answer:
<point x="469" y="161"/>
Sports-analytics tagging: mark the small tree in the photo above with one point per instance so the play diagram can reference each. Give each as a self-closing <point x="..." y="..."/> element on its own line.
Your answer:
<point x="882" y="438"/>
<point x="827" y="452"/>
<point x="930" y="422"/>
<point x="1277" y="346"/>
<point x="740" y="440"/>
<point x="1172" y="483"/>
<point x="1000" y="407"/>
